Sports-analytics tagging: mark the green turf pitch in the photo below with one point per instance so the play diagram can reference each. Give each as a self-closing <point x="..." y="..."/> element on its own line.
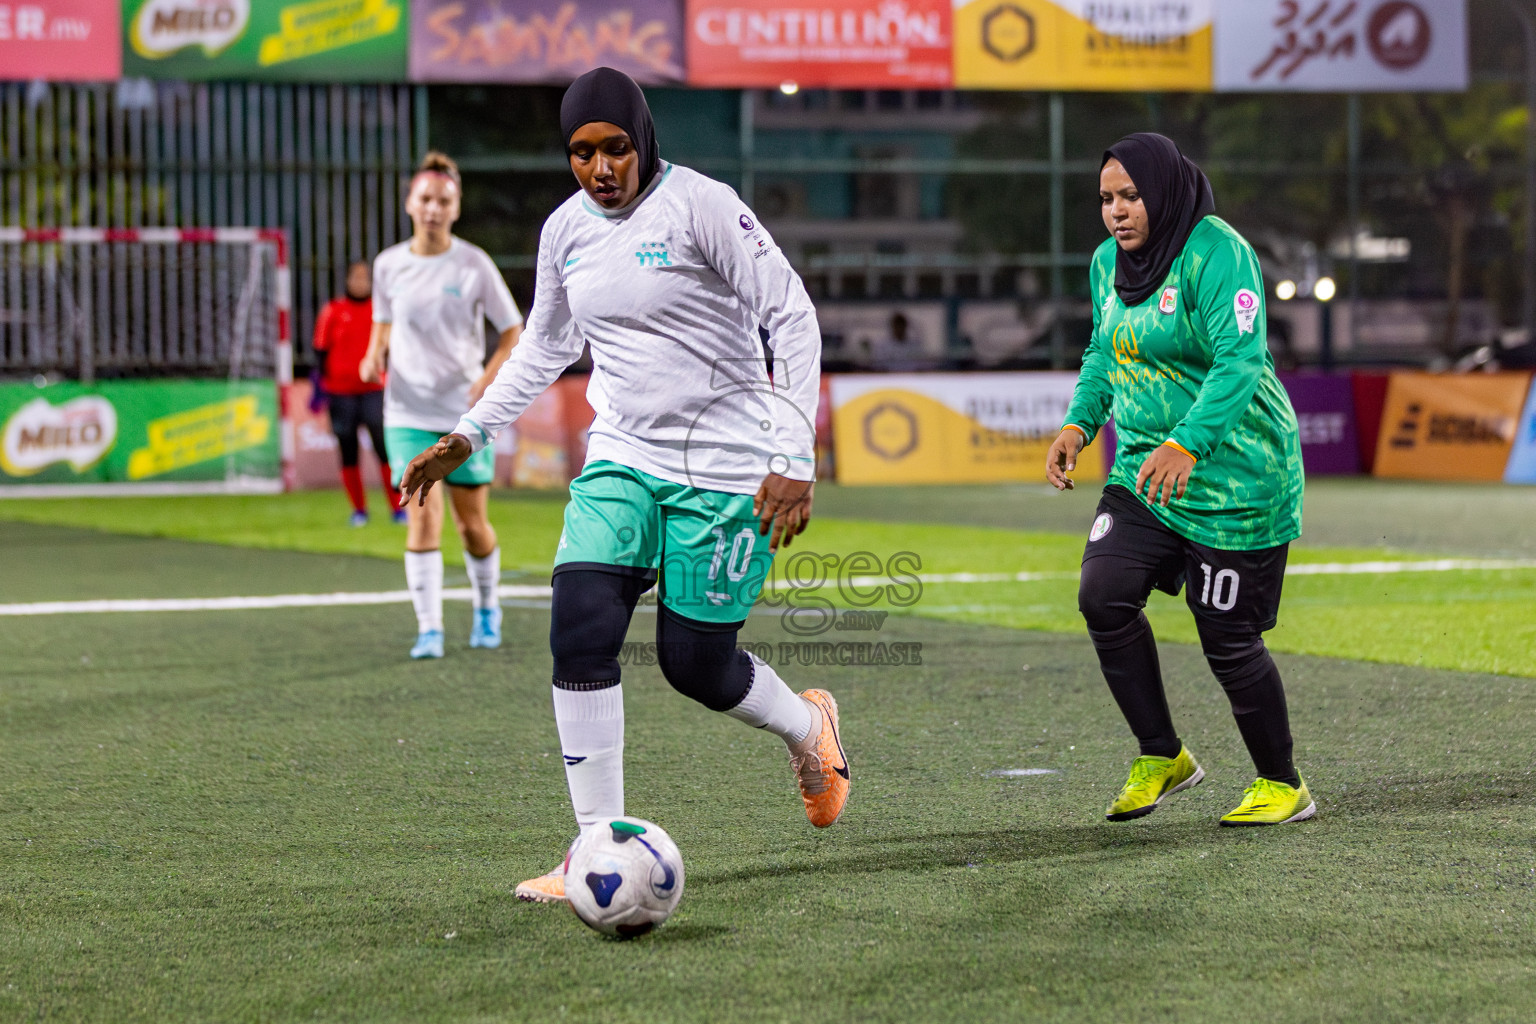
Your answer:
<point x="1470" y="620"/>
<point x="273" y="815"/>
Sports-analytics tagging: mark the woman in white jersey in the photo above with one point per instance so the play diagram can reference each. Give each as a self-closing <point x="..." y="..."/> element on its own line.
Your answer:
<point x="700" y="461"/>
<point x="431" y="296"/>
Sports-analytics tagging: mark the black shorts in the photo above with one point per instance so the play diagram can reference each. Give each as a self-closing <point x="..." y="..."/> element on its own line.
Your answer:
<point x="1232" y="590"/>
<point x="348" y="412"/>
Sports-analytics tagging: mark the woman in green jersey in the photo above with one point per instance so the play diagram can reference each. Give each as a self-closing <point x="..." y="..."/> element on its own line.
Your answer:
<point x="1206" y="488"/>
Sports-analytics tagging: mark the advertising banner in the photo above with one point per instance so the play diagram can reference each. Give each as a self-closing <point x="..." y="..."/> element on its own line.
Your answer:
<point x="316" y="455"/>
<point x="1325" y="412"/>
<point x="545" y="40"/>
<point x="139" y="431"/>
<point x="1522" y="460"/>
<point x="61" y="41"/>
<point x="1131" y="45"/>
<point x="1444" y="427"/>
<point x="842" y="44"/>
<point x="1341" y="45"/>
<point x="951" y="427"/>
<point x="266" y="40"/>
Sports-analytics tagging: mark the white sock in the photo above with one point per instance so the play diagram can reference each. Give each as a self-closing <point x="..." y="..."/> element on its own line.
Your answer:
<point x="484" y="577"/>
<point x="770" y="704"/>
<point x="424" y="576"/>
<point x="591" y="724"/>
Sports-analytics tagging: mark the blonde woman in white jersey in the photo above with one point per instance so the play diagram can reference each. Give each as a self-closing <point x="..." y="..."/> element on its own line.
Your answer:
<point x="431" y="296"/>
<point x="699" y="463"/>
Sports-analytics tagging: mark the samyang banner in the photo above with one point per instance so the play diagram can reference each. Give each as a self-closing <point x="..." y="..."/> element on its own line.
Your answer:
<point x="545" y="40"/>
<point x="61" y="41"/>
<point x="1132" y="45"/>
<point x="266" y="40"/>
<point x="840" y="44"/>
<point x="1341" y="45"/>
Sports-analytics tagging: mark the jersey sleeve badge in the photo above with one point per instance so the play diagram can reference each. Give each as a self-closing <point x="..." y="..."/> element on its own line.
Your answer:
<point x="1245" y="307"/>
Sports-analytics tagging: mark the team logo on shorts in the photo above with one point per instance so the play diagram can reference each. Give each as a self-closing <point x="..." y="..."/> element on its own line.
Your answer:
<point x="1169" y="300"/>
<point x="1101" y="526"/>
<point x="1245" y="307"/>
<point x="746" y="223"/>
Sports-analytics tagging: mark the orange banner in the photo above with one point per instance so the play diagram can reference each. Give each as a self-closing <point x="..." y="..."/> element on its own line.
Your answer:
<point x="1441" y="427"/>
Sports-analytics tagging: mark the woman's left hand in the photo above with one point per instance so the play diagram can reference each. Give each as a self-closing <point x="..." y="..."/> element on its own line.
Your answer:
<point x="783" y="506"/>
<point x="1164" y="475"/>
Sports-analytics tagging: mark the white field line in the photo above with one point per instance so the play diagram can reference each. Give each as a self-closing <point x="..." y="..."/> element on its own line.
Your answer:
<point x="206" y="604"/>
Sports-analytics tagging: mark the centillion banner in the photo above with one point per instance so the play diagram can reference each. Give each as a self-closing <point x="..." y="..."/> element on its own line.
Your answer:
<point x="1450" y="427"/>
<point x="1126" y="45"/>
<point x="951" y="428"/>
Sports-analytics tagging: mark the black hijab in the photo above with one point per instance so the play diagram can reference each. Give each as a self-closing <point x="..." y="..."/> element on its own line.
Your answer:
<point x="604" y="94"/>
<point x="1176" y="193"/>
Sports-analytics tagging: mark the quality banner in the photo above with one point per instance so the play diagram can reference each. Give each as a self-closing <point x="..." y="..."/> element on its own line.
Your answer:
<point x="1341" y="45"/>
<point x="266" y="40"/>
<point x="1130" y="45"/>
<point x="61" y="41"/>
<point x="545" y="40"/>
<point x="845" y="44"/>
<point x="1445" y="427"/>
<point x="139" y="431"/>
<point x="951" y="427"/>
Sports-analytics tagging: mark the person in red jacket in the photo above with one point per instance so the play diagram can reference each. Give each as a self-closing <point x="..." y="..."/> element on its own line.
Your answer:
<point x="341" y="341"/>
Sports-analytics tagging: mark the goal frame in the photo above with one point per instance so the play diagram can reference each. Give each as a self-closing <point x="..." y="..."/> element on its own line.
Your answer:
<point x="276" y="239"/>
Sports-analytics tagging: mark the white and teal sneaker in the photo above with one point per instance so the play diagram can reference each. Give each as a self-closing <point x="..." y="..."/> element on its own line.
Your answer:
<point x="486" y="631"/>
<point x="429" y="644"/>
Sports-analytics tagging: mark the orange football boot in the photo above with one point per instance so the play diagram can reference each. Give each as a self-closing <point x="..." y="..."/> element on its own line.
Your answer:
<point x="548" y="888"/>
<point x="823" y="770"/>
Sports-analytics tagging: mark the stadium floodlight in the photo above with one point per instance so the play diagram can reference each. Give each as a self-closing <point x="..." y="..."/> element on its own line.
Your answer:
<point x="1324" y="290"/>
<point x="789" y="88"/>
<point x="1285" y="291"/>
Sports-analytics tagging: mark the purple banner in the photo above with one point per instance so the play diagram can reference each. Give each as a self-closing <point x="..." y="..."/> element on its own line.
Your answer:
<point x="550" y="41"/>
<point x="1325" y="411"/>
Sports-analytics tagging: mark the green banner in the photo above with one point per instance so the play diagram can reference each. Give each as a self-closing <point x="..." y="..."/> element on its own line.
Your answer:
<point x="266" y="40"/>
<point x="139" y="431"/>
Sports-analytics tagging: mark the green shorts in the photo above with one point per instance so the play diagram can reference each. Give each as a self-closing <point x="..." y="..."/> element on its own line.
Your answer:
<point x="704" y="546"/>
<point x="405" y="443"/>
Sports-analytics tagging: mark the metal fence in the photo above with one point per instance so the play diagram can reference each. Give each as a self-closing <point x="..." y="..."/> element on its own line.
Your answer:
<point x="327" y="163"/>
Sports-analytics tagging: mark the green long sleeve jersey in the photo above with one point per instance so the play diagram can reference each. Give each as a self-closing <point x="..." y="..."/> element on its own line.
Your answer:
<point x="1190" y="365"/>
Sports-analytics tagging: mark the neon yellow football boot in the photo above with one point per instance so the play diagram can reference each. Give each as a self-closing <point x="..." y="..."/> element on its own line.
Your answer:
<point x="1268" y="802"/>
<point x="1151" y="779"/>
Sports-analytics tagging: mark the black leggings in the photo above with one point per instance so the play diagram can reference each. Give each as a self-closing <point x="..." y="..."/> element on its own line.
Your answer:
<point x="1234" y="596"/>
<point x="589" y="618"/>
<point x="348" y="412"/>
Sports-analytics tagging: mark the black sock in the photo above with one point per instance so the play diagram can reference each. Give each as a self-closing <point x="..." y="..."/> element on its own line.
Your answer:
<point x="1252" y="682"/>
<point x="1128" y="659"/>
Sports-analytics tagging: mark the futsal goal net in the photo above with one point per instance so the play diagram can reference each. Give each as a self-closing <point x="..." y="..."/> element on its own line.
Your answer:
<point x="148" y="360"/>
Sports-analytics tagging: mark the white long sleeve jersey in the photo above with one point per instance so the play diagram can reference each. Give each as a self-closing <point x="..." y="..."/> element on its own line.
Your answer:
<point x="669" y="293"/>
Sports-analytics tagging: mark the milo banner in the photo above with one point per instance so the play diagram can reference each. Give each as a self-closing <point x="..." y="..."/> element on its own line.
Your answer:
<point x="545" y="40"/>
<point x="1130" y="45"/>
<point x="139" y="432"/>
<point x="951" y="427"/>
<point x="1450" y="427"/>
<point x="266" y="40"/>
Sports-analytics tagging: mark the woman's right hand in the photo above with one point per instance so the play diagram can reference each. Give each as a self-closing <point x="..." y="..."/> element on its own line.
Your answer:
<point x="1062" y="458"/>
<point x="372" y="368"/>
<point x="433" y="465"/>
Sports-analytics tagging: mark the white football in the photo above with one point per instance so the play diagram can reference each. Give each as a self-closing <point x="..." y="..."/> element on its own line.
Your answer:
<point x="623" y="876"/>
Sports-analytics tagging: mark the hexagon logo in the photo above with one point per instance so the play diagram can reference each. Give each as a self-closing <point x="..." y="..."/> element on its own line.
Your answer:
<point x="890" y="431"/>
<point x="1008" y="33"/>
